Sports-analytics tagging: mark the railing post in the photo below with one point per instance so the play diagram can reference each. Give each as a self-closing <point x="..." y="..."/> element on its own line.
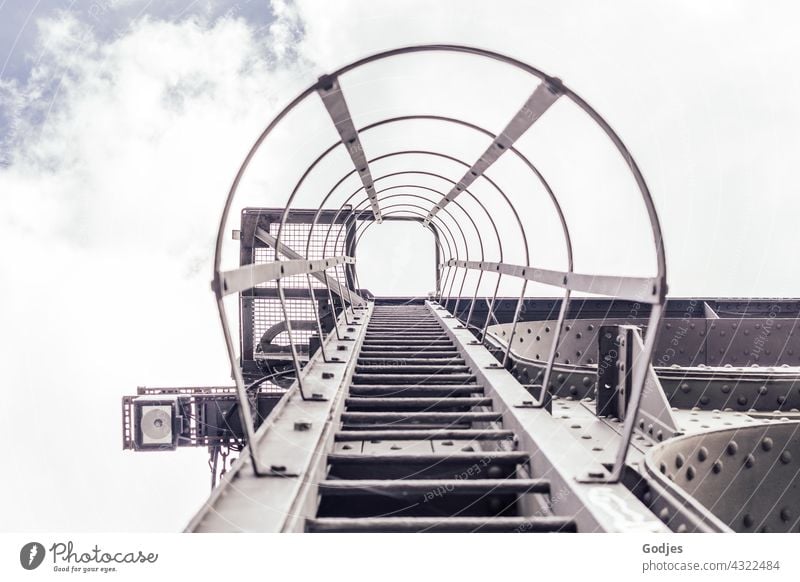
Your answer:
<point x="516" y="318"/>
<point x="490" y="313"/>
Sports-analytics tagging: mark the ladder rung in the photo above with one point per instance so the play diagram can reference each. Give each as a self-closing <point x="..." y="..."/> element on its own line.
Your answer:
<point x="414" y="391"/>
<point x="395" y="378"/>
<point x="413" y="435"/>
<point x="416" y="402"/>
<point x="405" y="348"/>
<point x="402" y="426"/>
<point x="422" y="486"/>
<point x="402" y="464"/>
<point x="421" y="361"/>
<point x="513" y="457"/>
<point x="437" y="340"/>
<point x="421" y="416"/>
<point x="411" y="369"/>
<point x="408" y="355"/>
<point x="442" y="524"/>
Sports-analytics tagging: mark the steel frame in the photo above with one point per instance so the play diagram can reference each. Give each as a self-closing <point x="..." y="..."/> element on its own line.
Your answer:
<point x="546" y="93"/>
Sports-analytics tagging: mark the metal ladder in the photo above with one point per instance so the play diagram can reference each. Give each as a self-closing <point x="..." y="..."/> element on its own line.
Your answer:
<point x="420" y="447"/>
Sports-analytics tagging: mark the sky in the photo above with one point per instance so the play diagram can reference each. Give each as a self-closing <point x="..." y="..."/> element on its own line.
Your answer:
<point x="123" y="123"/>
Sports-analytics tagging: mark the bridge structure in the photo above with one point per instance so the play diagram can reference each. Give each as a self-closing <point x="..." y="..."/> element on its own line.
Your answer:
<point x="607" y="407"/>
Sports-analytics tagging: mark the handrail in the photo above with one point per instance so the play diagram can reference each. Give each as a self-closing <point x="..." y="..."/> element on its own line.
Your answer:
<point x="644" y="289"/>
<point x="248" y="276"/>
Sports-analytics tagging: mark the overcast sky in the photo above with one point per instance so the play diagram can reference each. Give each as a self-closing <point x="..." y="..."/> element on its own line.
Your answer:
<point x="123" y="122"/>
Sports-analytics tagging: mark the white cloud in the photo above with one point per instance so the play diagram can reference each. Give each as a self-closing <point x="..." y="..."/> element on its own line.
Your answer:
<point x="124" y="152"/>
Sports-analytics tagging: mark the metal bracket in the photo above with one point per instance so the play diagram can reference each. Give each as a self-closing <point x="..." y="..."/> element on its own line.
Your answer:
<point x="619" y="346"/>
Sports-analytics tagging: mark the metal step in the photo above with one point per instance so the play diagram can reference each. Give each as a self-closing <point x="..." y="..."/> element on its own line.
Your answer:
<point x="411" y="379"/>
<point x="412" y="369"/>
<point x="399" y="403"/>
<point x="412" y="435"/>
<point x="405" y="338"/>
<point x="409" y="354"/>
<point x="424" y="498"/>
<point x="404" y="426"/>
<point x="417" y="487"/>
<point x="405" y="348"/>
<point x="365" y="417"/>
<point x="421" y="361"/>
<point x="405" y="331"/>
<point x="458" y="465"/>
<point x="442" y="525"/>
<point x="428" y="390"/>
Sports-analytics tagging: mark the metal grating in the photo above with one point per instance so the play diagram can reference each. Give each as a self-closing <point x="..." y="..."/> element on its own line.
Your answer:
<point x="295" y="236"/>
<point x="268" y="312"/>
